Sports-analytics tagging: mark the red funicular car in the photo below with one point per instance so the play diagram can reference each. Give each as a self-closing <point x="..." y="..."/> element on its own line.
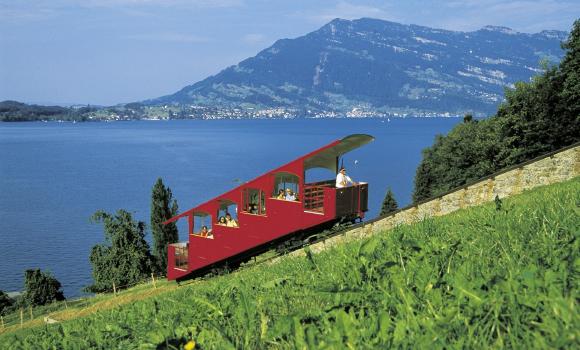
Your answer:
<point x="267" y="210"/>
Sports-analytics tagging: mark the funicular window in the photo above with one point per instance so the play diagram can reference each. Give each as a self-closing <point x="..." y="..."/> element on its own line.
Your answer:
<point x="202" y="224"/>
<point x="317" y="179"/>
<point x="320" y="176"/>
<point x="181" y="255"/>
<point x="253" y="201"/>
<point x="227" y="214"/>
<point x="286" y="186"/>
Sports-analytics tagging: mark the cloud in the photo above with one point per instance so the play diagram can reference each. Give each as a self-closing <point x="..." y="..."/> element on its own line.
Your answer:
<point x="347" y="10"/>
<point x="16" y="14"/>
<point x="161" y="3"/>
<point x="522" y="15"/>
<point x="168" y="37"/>
<point x="254" y="38"/>
<point x="25" y="11"/>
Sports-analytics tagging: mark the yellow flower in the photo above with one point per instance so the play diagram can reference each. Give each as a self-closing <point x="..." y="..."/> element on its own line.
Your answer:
<point x="190" y="345"/>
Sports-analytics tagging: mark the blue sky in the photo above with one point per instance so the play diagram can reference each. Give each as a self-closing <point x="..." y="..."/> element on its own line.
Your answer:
<point x="114" y="51"/>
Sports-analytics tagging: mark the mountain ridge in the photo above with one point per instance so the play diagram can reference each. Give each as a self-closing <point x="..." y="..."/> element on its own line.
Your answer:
<point x="381" y="66"/>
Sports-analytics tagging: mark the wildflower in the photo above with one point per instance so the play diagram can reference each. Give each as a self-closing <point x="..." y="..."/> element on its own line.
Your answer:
<point x="190" y="345"/>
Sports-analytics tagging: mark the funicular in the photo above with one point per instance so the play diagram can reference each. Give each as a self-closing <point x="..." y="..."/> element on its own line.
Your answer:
<point x="270" y="208"/>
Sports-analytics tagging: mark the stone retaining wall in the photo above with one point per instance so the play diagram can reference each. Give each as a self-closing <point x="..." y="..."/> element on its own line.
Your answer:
<point x="556" y="167"/>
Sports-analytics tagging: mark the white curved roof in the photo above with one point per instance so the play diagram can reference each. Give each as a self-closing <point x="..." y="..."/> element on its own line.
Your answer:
<point x="328" y="158"/>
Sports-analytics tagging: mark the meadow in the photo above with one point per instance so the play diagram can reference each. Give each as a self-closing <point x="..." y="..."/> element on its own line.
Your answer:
<point x="502" y="275"/>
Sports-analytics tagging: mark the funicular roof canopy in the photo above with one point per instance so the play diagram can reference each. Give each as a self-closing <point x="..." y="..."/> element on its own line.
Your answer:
<point x="328" y="158"/>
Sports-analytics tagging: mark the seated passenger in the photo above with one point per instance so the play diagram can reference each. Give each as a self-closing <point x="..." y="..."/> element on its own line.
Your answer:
<point x="253" y="208"/>
<point x="290" y="195"/>
<point x="281" y="194"/>
<point x="230" y="222"/>
<point x="204" y="232"/>
<point x="342" y="180"/>
<point x="222" y="221"/>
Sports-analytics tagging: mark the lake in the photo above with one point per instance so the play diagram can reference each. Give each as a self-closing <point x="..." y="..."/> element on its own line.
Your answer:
<point x="54" y="176"/>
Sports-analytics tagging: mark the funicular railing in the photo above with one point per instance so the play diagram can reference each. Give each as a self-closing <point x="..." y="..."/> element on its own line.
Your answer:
<point x="314" y="195"/>
<point x="352" y="199"/>
<point x="181" y="255"/>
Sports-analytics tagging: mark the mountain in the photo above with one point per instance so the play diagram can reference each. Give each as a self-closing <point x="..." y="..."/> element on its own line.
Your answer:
<point x="376" y="65"/>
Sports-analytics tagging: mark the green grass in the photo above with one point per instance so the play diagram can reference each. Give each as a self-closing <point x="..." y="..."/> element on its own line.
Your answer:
<point x="477" y="278"/>
<point x="74" y="308"/>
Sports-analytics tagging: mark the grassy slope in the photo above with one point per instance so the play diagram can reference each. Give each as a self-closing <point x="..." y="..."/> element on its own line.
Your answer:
<point x="476" y="278"/>
<point x="71" y="309"/>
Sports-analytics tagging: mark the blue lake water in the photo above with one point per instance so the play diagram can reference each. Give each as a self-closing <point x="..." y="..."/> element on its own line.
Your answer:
<point x="54" y="176"/>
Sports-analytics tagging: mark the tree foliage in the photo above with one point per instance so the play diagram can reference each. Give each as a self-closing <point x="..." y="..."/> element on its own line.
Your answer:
<point x="570" y="70"/>
<point x="125" y="258"/>
<point x="389" y="203"/>
<point x="467" y="153"/>
<point x="537" y="117"/>
<point x="5" y="302"/>
<point x="163" y="207"/>
<point x="13" y="111"/>
<point x="40" y="288"/>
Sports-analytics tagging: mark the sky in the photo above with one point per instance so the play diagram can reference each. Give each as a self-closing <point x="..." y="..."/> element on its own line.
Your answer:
<point x="105" y="52"/>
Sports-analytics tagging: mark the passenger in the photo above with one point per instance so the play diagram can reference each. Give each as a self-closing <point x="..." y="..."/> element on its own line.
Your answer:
<point x="204" y="232"/>
<point x="253" y="208"/>
<point x="222" y="221"/>
<point x="290" y="195"/>
<point x="230" y="222"/>
<point x="281" y="194"/>
<point x="342" y="180"/>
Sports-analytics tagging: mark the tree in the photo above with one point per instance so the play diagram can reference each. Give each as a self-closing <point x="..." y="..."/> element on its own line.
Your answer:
<point x="5" y="302"/>
<point x="125" y="258"/>
<point x="40" y="288"/>
<point x="570" y="71"/>
<point x="161" y="199"/>
<point x="537" y="117"/>
<point x="389" y="203"/>
<point x="423" y="178"/>
<point x="544" y="114"/>
<point x="466" y="153"/>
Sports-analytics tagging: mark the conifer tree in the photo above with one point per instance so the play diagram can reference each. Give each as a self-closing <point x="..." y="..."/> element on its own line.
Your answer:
<point x="163" y="207"/>
<point x="389" y="203"/>
<point x="424" y="178"/>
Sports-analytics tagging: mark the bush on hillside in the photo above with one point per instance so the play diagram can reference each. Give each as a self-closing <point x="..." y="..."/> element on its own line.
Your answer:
<point x="125" y="258"/>
<point x="5" y="303"/>
<point x="41" y="288"/>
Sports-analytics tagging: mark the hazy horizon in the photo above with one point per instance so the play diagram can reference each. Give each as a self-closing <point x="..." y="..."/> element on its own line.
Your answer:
<point x="106" y="52"/>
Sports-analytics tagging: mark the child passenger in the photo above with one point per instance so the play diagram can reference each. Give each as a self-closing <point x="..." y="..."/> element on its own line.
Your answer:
<point x="230" y="222"/>
<point x="281" y="194"/>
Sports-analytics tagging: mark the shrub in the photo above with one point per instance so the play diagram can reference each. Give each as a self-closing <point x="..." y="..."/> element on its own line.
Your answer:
<point x="125" y="258"/>
<point x="40" y="288"/>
